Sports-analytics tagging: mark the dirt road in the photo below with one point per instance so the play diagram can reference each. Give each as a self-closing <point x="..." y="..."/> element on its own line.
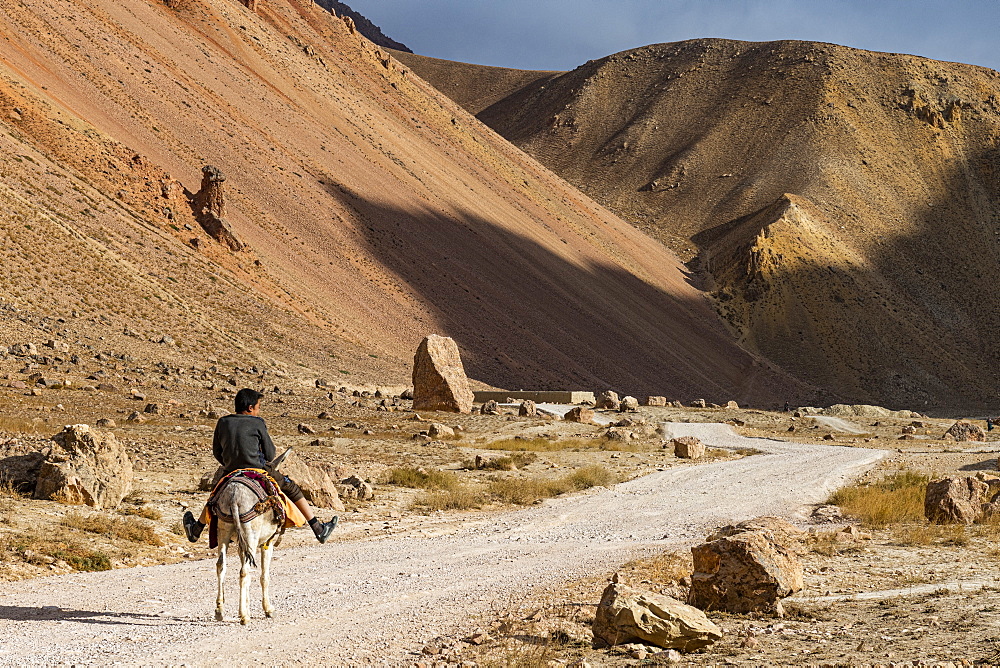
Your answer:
<point x="376" y="601"/>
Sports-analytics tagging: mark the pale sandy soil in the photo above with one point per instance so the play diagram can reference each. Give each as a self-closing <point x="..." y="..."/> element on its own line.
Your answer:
<point x="382" y="600"/>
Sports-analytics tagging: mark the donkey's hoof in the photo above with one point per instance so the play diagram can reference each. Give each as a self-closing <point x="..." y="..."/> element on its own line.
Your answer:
<point x="269" y="614"/>
<point x="218" y="616"/>
<point x="244" y="620"/>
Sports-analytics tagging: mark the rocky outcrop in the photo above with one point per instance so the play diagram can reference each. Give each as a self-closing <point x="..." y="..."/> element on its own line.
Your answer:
<point x="745" y="572"/>
<point x="85" y="466"/>
<point x="656" y="401"/>
<point x="439" y="380"/>
<point x="688" y="447"/>
<point x="356" y="487"/>
<point x="956" y="500"/>
<point x="608" y="399"/>
<point x="363" y="25"/>
<point x="965" y="431"/>
<point x="628" y="405"/>
<point x="491" y="407"/>
<point x="627" y="615"/>
<point x="579" y="414"/>
<point x="209" y="206"/>
<point x="527" y="409"/>
<point x="438" y="430"/>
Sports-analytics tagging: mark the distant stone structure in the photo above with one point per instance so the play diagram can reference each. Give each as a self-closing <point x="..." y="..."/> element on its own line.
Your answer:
<point x="209" y="205"/>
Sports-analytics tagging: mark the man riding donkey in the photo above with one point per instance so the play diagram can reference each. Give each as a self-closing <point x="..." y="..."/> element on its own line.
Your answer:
<point x="241" y="442"/>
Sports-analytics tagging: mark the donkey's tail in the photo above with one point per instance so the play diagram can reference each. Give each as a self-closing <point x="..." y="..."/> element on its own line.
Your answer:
<point x="242" y="539"/>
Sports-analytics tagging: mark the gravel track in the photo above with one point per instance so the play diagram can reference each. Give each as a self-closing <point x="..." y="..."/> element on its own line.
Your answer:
<point x="376" y="601"/>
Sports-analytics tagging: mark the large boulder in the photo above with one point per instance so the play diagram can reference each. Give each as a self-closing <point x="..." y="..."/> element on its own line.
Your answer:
<point x="85" y="466"/>
<point x="778" y="530"/>
<point x="607" y="399"/>
<point x="745" y="572"/>
<point x="656" y="401"/>
<point x="957" y="500"/>
<point x="439" y="380"/>
<point x="528" y="409"/>
<point x="688" y="447"/>
<point x="627" y="615"/>
<point x="965" y="431"/>
<point x="579" y="414"/>
<point x="628" y="405"/>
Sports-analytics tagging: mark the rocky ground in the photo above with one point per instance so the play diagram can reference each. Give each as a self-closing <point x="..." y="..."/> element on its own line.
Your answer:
<point x="947" y="575"/>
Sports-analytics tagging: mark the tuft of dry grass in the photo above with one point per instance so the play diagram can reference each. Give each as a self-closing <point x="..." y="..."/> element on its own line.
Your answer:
<point x="524" y="491"/>
<point x="36" y="549"/>
<point x="421" y="478"/>
<point x="457" y="498"/>
<point x="147" y="512"/>
<point x="667" y="567"/>
<point x="542" y="444"/>
<point x="894" y="499"/>
<point x="516" y="460"/>
<point x="954" y="535"/>
<point x="131" y="528"/>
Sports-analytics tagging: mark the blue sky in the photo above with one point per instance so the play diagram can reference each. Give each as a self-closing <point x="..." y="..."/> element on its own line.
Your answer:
<point x="562" y="34"/>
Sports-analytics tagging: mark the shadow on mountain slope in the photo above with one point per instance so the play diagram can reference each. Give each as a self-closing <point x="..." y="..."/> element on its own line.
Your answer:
<point x="535" y="319"/>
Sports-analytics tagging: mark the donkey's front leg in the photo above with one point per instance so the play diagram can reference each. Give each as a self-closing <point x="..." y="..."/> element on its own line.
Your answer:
<point x="220" y="570"/>
<point x="265" y="578"/>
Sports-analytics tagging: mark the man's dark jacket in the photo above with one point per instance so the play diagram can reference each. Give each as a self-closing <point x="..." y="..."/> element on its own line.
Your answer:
<point x="241" y="442"/>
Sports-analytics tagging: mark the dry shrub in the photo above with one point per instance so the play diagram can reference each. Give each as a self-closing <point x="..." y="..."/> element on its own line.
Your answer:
<point x="148" y="512"/>
<point x="8" y="490"/>
<point x="131" y="528"/>
<point x="31" y="548"/>
<point x="458" y="498"/>
<point x="542" y="444"/>
<point x="506" y="463"/>
<point x="894" y="499"/>
<point x="666" y="567"/>
<point x="931" y="534"/>
<point x="421" y="478"/>
<point x="524" y="491"/>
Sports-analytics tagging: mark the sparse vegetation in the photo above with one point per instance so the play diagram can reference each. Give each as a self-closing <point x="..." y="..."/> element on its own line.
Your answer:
<point x="41" y="551"/>
<point x="542" y="444"/>
<point x="524" y="491"/>
<point x="421" y="478"/>
<point x="898" y="497"/>
<point x="458" y="498"/>
<point x="147" y="512"/>
<point x="130" y="528"/>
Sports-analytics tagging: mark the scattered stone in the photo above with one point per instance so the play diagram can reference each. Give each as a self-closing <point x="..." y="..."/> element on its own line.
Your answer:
<point x="153" y="409"/>
<point x="85" y="466"/>
<point x="491" y="407"/>
<point x="607" y="400"/>
<point x="966" y="431"/>
<point x="619" y="434"/>
<point x="106" y="422"/>
<point x="303" y="428"/>
<point x="438" y="430"/>
<point x="828" y="514"/>
<point x="628" y="405"/>
<point x="355" y="487"/>
<point x="528" y="409"/>
<point x="699" y="403"/>
<point x="439" y="380"/>
<point x="656" y="401"/>
<point x="107" y="387"/>
<point x="688" y="447"/>
<point x="407" y="394"/>
<point x="19" y="385"/>
<point x="956" y="500"/>
<point x="137" y="395"/>
<point x="908" y="429"/>
<point x="135" y="417"/>
<point x="732" y="405"/>
<point x="746" y="572"/>
<point x="627" y="615"/>
<point x="579" y="414"/>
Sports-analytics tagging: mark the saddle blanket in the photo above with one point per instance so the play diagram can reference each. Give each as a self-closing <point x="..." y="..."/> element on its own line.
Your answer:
<point x="268" y="495"/>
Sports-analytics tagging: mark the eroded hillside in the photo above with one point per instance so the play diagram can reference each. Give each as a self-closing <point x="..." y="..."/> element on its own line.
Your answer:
<point x="841" y="205"/>
<point x="373" y="211"/>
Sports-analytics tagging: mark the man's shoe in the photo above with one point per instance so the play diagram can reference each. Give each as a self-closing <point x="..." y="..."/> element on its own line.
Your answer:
<point x="192" y="527"/>
<point x="326" y="528"/>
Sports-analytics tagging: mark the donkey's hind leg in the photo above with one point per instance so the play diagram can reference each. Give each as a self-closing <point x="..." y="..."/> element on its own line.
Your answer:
<point x="220" y="570"/>
<point x="265" y="578"/>
<point x="245" y="558"/>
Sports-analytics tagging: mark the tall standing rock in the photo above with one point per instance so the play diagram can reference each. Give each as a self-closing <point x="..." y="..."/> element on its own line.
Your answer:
<point x="209" y="205"/>
<point x="439" y="380"/>
<point x="85" y="466"/>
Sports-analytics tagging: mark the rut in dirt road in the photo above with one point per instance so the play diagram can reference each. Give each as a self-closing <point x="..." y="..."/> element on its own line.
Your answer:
<point x="376" y="601"/>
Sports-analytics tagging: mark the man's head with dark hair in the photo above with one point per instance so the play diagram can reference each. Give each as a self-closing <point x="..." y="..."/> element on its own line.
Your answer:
<point x="247" y="399"/>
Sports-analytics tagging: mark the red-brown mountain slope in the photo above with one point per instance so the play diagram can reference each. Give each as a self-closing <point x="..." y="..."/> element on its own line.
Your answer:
<point x="841" y="205"/>
<point x="373" y="208"/>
